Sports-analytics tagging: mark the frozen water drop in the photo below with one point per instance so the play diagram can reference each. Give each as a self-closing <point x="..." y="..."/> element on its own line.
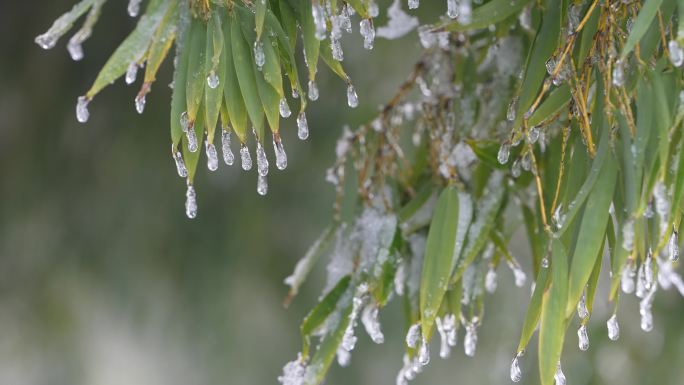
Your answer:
<point x="140" y="103"/>
<point x="47" y="40"/>
<point x="516" y="373"/>
<point x="470" y="341"/>
<point x="510" y="112"/>
<point x="424" y="353"/>
<point x="192" y="139"/>
<point x="281" y="156"/>
<point x="185" y="121"/>
<point x="180" y="164"/>
<point x="190" y="202"/>
<point x="245" y="157"/>
<point x="75" y="48"/>
<point x="284" y="108"/>
<point x="134" y="7"/>
<point x="368" y="32"/>
<point x="413" y="336"/>
<point x="131" y="73"/>
<point x="413" y="4"/>
<point x="82" y="113"/>
<point x="302" y="126"/>
<point x="452" y="9"/>
<point x="259" y="56"/>
<point x="582" y="310"/>
<point x="212" y="157"/>
<point x="676" y="53"/>
<point x="545" y="263"/>
<point x="444" y="347"/>
<point x="533" y="135"/>
<point x="262" y="160"/>
<point x="369" y="318"/>
<point x="627" y="280"/>
<point x="313" y="91"/>
<point x="352" y="98"/>
<point x="504" y="153"/>
<point x="228" y="157"/>
<point x="337" y="51"/>
<point x="262" y="185"/>
<point x="490" y="280"/>
<point x="294" y="372"/>
<point x="619" y="73"/>
<point x="559" y="377"/>
<point x="213" y="80"/>
<point x="583" y="338"/>
<point x="520" y="277"/>
<point x="318" y="13"/>
<point x="673" y="246"/>
<point x="613" y="328"/>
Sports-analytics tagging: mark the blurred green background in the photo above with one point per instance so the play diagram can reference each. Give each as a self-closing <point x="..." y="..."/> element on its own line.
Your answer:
<point x="103" y="280"/>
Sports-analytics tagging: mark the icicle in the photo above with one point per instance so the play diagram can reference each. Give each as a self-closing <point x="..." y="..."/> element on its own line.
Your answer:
<point x="583" y="337"/>
<point x="673" y="246"/>
<point x="284" y="108"/>
<point x="369" y="318"/>
<point x="319" y="20"/>
<point x="559" y="377"/>
<point x="619" y="73"/>
<point x="641" y="282"/>
<point x="262" y="160"/>
<point x="134" y="7"/>
<point x="352" y="98"/>
<point x="504" y="153"/>
<point x="490" y="280"/>
<point x="281" y="156"/>
<point x="413" y="4"/>
<point x="510" y="112"/>
<point x="245" y="157"/>
<point x="550" y="65"/>
<point x="131" y="73"/>
<point x="444" y="348"/>
<point x="449" y="324"/>
<point x="259" y="56"/>
<point x="82" y="113"/>
<point x="516" y="373"/>
<point x="373" y="9"/>
<point x="313" y="91"/>
<point x="75" y="47"/>
<point x="343" y="357"/>
<point x="190" y="202"/>
<point x="649" y="279"/>
<point x="582" y="311"/>
<point x="627" y="279"/>
<point x="520" y="276"/>
<point x="185" y="121"/>
<point x="180" y="164"/>
<point x="515" y="168"/>
<point x="533" y="135"/>
<point x="228" y="157"/>
<point x="452" y="9"/>
<point x="262" y="185"/>
<point x="526" y="161"/>
<point x="192" y="139"/>
<point x="613" y="328"/>
<point x="294" y="372"/>
<point x="645" y="310"/>
<point x="470" y="341"/>
<point x="336" y="47"/>
<point x="676" y="53"/>
<point x="465" y="11"/>
<point x="413" y="336"/>
<point x="368" y="32"/>
<point x="628" y="235"/>
<point x="213" y="80"/>
<point x="212" y="157"/>
<point x="140" y="103"/>
<point x="424" y="352"/>
<point x="302" y="126"/>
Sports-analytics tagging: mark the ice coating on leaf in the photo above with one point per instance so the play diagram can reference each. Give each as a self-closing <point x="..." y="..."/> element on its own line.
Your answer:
<point x="61" y="26"/>
<point x="619" y="73"/>
<point x="131" y="73"/>
<point x="284" y="108"/>
<point x="444" y="347"/>
<point x="134" y="7"/>
<point x="559" y="376"/>
<point x="313" y="91"/>
<point x="82" y="113"/>
<point x="628" y="235"/>
<point x="413" y="4"/>
<point x="190" y="202"/>
<point x="627" y="279"/>
<point x="504" y="153"/>
<point x="212" y="156"/>
<point x="180" y="164"/>
<point x="673" y="246"/>
<point x="520" y="276"/>
<point x="343" y="357"/>
<point x="294" y="372"/>
<point x="336" y="47"/>
<point x="369" y="318"/>
<point x="228" y="156"/>
<point x="262" y="185"/>
<point x="302" y="126"/>
<point x="424" y="352"/>
<point x="452" y="9"/>
<point x="368" y="32"/>
<point x="645" y="309"/>
<point x="341" y="262"/>
<point x="318" y="13"/>
<point x="399" y="23"/>
<point x="413" y="336"/>
<point x="465" y="11"/>
<point x="583" y="338"/>
<point x="490" y="280"/>
<point x="185" y="121"/>
<point x="192" y="139"/>
<point x="352" y="98"/>
<point x="582" y="311"/>
<point x="613" y="328"/>
<point x="516" y="373"/>
<point x="245" y="157"/>
<point x="533" y="135"/>
<point x="262" y="160"/>
<point x="213" y="80"/>
<point x="373" y="232"/>
<point x="470" y="339"/>
<point x="676" y="53"/>
<point x="259" y="55"/>
<point x="280" y="154"/>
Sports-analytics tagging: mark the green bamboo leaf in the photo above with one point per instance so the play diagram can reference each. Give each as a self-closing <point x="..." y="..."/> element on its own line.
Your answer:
<point x="63" y="24"/>
<point x="197" y="77"/>
<point x="288" y="22"/>
<point x="592" y="284"/>
<point x="235" y="104"/>
<point x="192" y="158"/>
<point x="534" y="309"/>
<point x="361" y="7"/>
<point x="260" y="7"/>
<point x="383" y="283"/>
<point x="162" y="42"/>
<point x="591" y="231"/>
<point x="271" y="70"/>
<point x="439" y="257"/>
<point x="320" y="313"/>
<point x="178" y="102"/>
<point x="244" y="69"/>
<point x="334" y="65"/>
<point x="311" y="44"/>
<point x="586" y="40"/>
<point x="487" y="150"/>
<point x="552" y="326"/>
<point x="214" y="66"/>
<point x="286" y="44"/>
<point x="647" y="14"/>
<point x="552" y="105"/>
<point x="414" y="205"/>
<point x="132" y="49"/>
<point x="488" y="14"/>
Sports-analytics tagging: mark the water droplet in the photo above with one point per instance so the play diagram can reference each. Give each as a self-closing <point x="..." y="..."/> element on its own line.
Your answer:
<point x="504" y="153"/>
<point x="281" y="156"/>
<point x="140" y="103"/>
<point x="533" y="134"/>
<point x="259" y="56"/>
<point x="490" y="280"/>
<point x="190" y="202"/>
<point x="180" y="164"/>
<point x="318" y="13"/>
<point x="185" y="121"/>
<point x="452" y="9"/>
<point x="673" y="246"/>
<point x="516" y="373"/>
<point x="369" y="319"/>
<point x="262" y="160"/>
<point x="75" y="48"/>
<point x="212" y="157"/>
<point x="619" y="73"/>
<point x="559" y="377"/>
<point x="47" y="40"/>
<point x="262" y="185"/>
<point x="613" y="328"/>
<point x="413" y="336"/>
<point x="228" y="157"/>
<point x="582" y="310"/>
<point x="583" y="338"/>
<point x="245" y="157"/>
<point x="676" y="53"/>
<point x="134" y="7"/>
<point x="413" y="4"/>
<point x="284" y="108"/>
<point x="368" y="32"/>
<point x="313" y="91"/>
<point x="131" y="73"/>
<point x="82" y="113"/>
<point x="213" y="80"/>
<point x="424" y="353"/>
<point x="302" y="126"/>
<point x="352" y="98"/>
<point x="510" y="112"/>
<point x="192" y="139"/>
<point x="545" y="263"/>
<point x="470" y="341"/>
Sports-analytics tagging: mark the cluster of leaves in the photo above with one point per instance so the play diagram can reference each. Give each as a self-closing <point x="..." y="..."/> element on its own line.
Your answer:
<point x="591" y="163"/>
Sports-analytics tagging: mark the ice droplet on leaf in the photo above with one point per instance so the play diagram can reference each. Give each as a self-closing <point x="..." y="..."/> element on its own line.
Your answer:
<point x="413" y="336"/>
<point x="516" y="373"/>
<point x="302" y="126"/>
<point x="212" y="157"/>
<point x="262" y="185"/>
<point x="134" y="7"/>
<point x="413" y="4"/>
<point x="228" y="157"/>
<point x="140" y="103"/>
<point x="180" y="164"/>
<point x="559" y="377"/>
<point x="613" y="328"/>
<point x="262" y="160"/>
<point x="245" y="157"/>
<point x="82" y="113"/>
<point x="192" y="139"/>
<point x="504" y="153"/>
<point x="284" y="108"/>
<point x="583" y="338"/>
<point x="352" y="97"/>
<point x="190" y="202"/>
<point x="213" y="80"/>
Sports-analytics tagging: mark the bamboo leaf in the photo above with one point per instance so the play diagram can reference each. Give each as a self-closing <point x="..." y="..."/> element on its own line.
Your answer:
<point x="311" y="44"/>
<point x="646" y="16"/>
<point x="487" y="14"/>
<point x="533" y="309"/>
<point x="552" y="326"/>
<point x="244" y="69"/>
<point x="235" y="104"/>
<point x="260" y="8"/>
<point x="320" y="313"/>
<point x="213" y="97"/>
<point x="196" y="79"/>
<point x="178" y="96"/>
<point x="162" y="42"/>
<point x="551" y="106"/>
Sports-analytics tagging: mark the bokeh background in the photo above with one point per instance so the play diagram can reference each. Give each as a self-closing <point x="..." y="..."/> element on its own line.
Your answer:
<point x="104" y="281"/>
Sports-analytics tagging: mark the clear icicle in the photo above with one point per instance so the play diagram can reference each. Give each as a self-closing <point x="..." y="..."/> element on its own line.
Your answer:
<point x="613" y="328"/>
<point x="134" y="7"/>
<point x="582" y="311"/>
<point x="190" y="202"/>
<point x="470" y="341"/>
<point x="627" y="279"/>
<point x="676" y="53"/>
<point x="213" y="80"/>
<point x="82" y="113"/>
<point x="262" y="160"/>
<point x="369" y="318"/>
<point x="281" y="156"/>
<point x="313" y="90"/>
<point x="284" y="108"/>
<point x="259" y="56"/>
<point x="413" y="336"/>
<point x="583" y="338"/>
<point x="212" y="156"/>
<point x="368" y="32"/>
<point x="228" y="157"/>
<point x="336" y="47"/>
<point x="504" y="153"/>
<point x="140" y="101"/>
<point x="452" y="9"/>
<point x="352" y="97"/>
<point x="75" y="48"/>
<point x="318" y="13"/>
<point x="192" y="139"/>
<point x="444" y="347"/>
<point x="619" y="73"/>
<point x="262" y="185"/>
<point x="673" y="246"/>
<point x="559" y="377"/>
<point x="245" y="157"/>
<point x="180" y="164"/>
<point x="302" y="126"/>
<point x="490" y="280"/>
<point x="185" y="121"/>
<point x="131" y="73"/>
<point x="516" y="373"/>
<point x="424" y="352"/>
<point x="510" y="112"/>
<point x="413" y="4"/>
